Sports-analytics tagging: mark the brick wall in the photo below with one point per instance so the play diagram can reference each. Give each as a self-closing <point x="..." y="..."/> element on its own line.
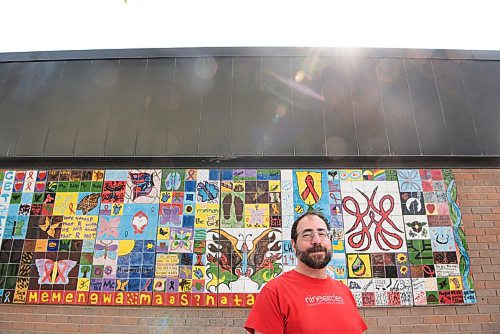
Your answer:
<point x="479" y="196"/>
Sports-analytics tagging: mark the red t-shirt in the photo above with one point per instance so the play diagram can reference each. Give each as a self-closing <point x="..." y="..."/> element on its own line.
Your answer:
<point x="296" y="303"/>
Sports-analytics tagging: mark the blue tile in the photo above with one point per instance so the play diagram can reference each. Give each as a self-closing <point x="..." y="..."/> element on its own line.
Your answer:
<point x="134" y="285"/>
<point x="190" y="186"/>
<point x="135" y="258"/>
<point x="188" y="221"/>
<point x="227" y="174"/>
<point x="214" y="174"/>
<point x="124" y="260"/>
<point x="148" y="258"/>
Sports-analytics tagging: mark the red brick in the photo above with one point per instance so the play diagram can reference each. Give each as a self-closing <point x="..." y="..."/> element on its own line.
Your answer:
<point x="480" y="210"/>
<point x="490" y="216"/>
<point x="434" y="319"/>
<point x="479" y="318"/>
<point x="375" y="312"/>
<point x="23" y="325"/>
<point x="448" y="328"/>
<point x="422" y="311"/>
<point x="464" y="176"/>
<point x="473" y="183"/>
<point x="481" y="261"/>
<point x="494" y="326"/>
<point x="489" y="253"/>
<point x="469" y="327"/>
<point x="5" y="325"/>
<point x="389" y="321"/>
<point x="482" y="224"/>
<point x="484" y="293"/>
<point x="467" y="309"/>
<point x="493" y="300"/>
<point x="469" y="203"/>
<point x="492" y="196"/>
<point x="471" y="189"/>
<point x="488" y="309"/>
<point x="495" y="317"/>
<point x="489" y="237"/>
<point x="486" y="189"/>
<point x="489" y="203"/>
<point x="456" y="319"/>
<point x="478" y="176"/>
<point x="445" y="310"/>
<point x="477" y="246"/>
<point x="474" y="231"/>
<point x="412" y="320"/>
<point x="398" y="311"/>
<point x="480" y="196"/>
<point x="492" y="284"/>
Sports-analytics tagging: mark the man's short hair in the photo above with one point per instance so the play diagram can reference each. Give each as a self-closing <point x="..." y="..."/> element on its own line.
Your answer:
<point x="309" y="213"/>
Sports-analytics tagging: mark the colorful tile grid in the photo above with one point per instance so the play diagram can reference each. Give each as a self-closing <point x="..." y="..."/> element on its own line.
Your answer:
<point x="199" y="237"/>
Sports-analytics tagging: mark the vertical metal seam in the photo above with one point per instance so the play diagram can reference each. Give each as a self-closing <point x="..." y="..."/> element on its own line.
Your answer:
<point x="323" y="109"/>
<point x="110" y="116"/>
<point x="439" y="95"/>
<point x="412" y="107"/>
<point x="292" y="95"/>
<point x="383" y="109"/>
<point x="352" y="102"/>
<point x="231" y="110"/>
<point x="170" y="107"/>
<point x="203" y="74"/>
<point x="141" y="108"/>
<point x="261" y="106"/>
<point x="469" y="106"/>
<point x="57" y="93"/>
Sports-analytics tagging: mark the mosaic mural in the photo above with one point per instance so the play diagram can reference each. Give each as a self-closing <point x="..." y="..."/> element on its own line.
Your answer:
<point x="199" y="237"/>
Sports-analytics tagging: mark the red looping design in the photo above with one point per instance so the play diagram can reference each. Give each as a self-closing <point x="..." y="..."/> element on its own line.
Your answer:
<point x="380" y="234"/>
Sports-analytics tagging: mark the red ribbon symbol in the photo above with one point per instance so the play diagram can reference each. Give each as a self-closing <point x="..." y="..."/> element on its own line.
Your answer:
<point x="190" y="175"/>
<point x="309" y="189"/>
<point x="47" y="271"/>
<point x="71" y="211"/>
<point x="62" y="267"/>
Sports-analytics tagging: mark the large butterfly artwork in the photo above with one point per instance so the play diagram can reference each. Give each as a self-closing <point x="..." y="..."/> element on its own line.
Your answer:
<point x="259" y="263"/>
<point x="51" y="272"/>
<point x="142" y="184"/>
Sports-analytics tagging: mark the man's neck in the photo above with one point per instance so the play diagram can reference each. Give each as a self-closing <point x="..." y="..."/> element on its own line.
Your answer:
<point x="311" y="272"/>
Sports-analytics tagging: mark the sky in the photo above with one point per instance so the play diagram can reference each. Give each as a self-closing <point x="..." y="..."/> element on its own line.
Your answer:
<point x="43" y="25"/>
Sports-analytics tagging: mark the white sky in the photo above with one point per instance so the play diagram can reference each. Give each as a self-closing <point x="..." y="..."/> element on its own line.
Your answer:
<point x="38" y="25"/>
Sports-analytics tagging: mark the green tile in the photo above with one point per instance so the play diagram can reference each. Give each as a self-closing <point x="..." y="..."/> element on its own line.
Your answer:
<point x="62" y="186"/>
<point x="96" y="187"/>
<point x="85" y="186"/>
<point x="74" y="186"/>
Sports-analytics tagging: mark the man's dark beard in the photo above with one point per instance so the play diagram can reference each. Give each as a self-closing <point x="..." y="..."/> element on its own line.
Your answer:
<point x="312" y="262"/>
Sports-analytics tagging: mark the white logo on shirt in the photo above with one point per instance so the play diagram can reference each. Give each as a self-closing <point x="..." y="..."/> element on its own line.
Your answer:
<point x="324" y="299"/>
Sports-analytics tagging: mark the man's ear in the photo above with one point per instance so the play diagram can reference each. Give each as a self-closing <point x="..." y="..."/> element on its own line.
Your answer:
<point x="294" y="246"/>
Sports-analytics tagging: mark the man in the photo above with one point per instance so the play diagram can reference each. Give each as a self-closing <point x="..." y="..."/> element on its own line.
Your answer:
<point x="306" y="300"/>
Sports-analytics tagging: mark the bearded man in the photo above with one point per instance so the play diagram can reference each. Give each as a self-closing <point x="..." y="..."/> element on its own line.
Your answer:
<point x="306" y="300"/>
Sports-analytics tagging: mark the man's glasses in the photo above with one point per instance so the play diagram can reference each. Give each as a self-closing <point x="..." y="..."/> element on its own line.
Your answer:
<point x="308" y="235"/>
